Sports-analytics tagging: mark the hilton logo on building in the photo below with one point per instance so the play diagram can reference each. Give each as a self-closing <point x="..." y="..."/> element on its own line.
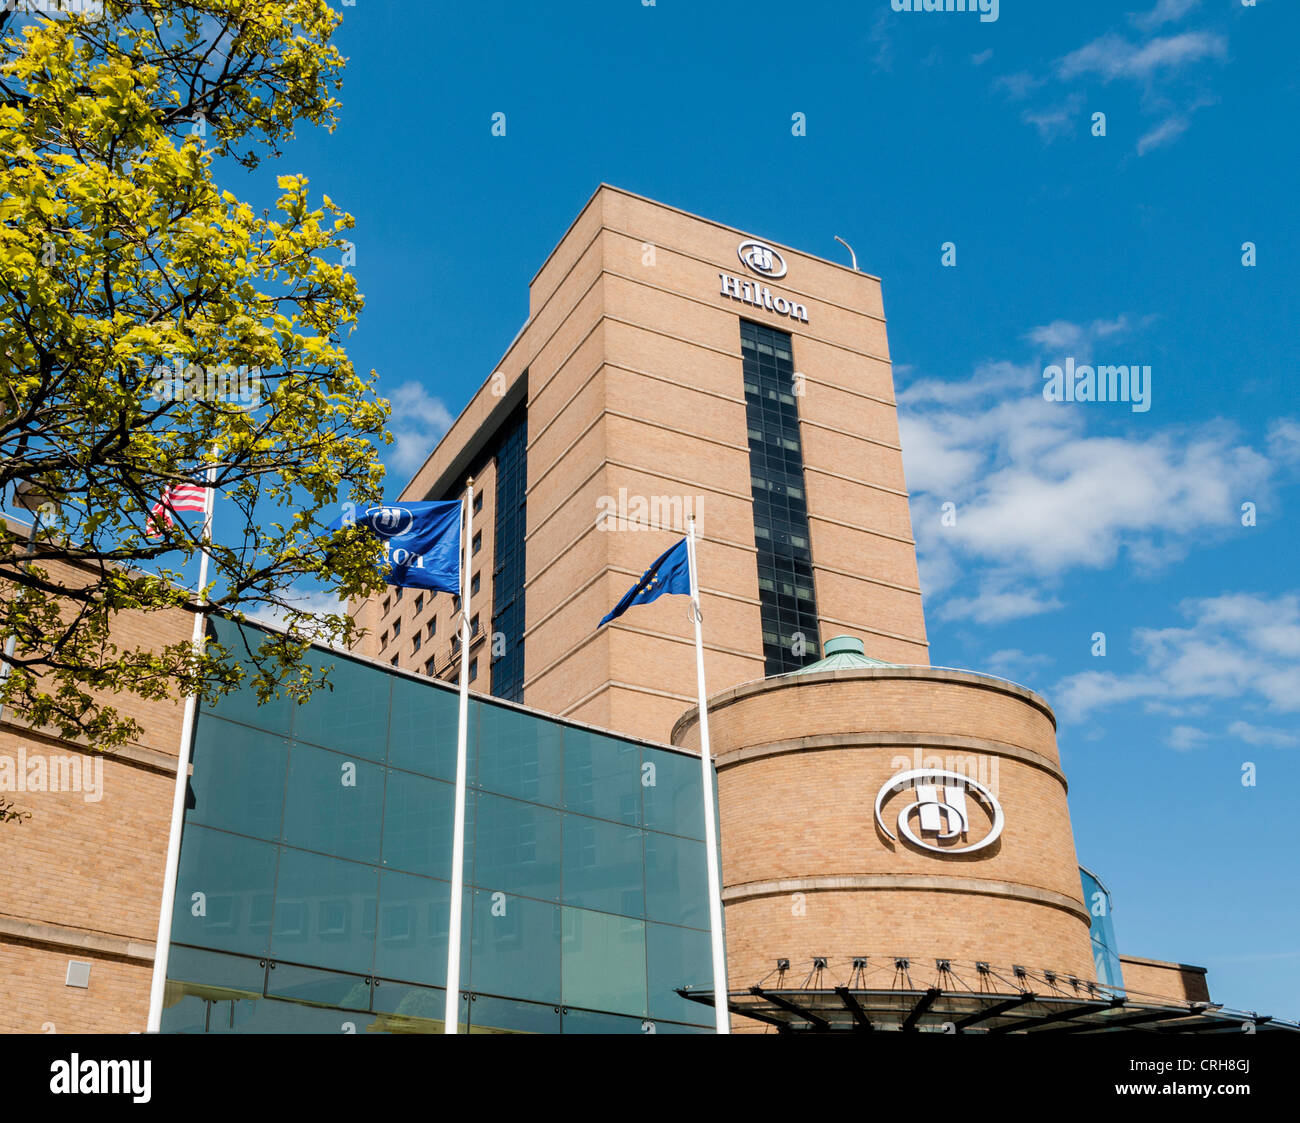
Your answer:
<point x="941" y="809"/>
<point x="762" y="259"/>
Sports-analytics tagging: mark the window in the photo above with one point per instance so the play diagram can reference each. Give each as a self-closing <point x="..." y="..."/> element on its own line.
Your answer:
<point x="383" y="641"/>
<point x="415" y="642"/>
<point x="455" y="643"/>
<point x="397" y="628"/>
<point x="397" y="594"/>
<point x="478" y="543"/>
<point x="393" y="660"/>
<point x="788" y="606"/>
<point x="508" y="548"/>
<point x="432" y="629"/>
<point x="419" y="603"/>
<point x="473" y="670"/>
<point x="428" y="665"/>
<point x="473" y="625"/>
<point x="473" y="585"/>
<point x="478" y="502"/>
<point x="455" y="603"/>
<point x="387" y="605"/>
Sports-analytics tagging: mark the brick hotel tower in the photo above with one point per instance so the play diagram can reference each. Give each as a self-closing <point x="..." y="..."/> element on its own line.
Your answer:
<point x="671" y="364"/>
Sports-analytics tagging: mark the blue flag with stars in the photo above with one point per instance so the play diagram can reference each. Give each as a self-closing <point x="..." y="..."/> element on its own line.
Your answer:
<point x="671" y="573"/>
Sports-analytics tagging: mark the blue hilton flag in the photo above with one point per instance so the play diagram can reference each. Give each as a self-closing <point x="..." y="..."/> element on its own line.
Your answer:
<point x="421" y="542"/>
<point x="671" y="573"/>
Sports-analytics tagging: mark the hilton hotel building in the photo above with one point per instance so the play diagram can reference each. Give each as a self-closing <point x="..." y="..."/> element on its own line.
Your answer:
<point x="671" y="365"/>
<point x="896" y="846"/>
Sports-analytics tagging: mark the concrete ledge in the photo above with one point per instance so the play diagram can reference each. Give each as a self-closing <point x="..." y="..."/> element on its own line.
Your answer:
<point x="83" y="940"/>
<point x="924" y="674"/>
<point x="826" y="741"/>
<point x="1029" y="894"/>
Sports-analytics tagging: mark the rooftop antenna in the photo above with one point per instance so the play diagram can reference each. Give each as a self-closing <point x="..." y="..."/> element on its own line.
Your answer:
<point x="850" y="249"/>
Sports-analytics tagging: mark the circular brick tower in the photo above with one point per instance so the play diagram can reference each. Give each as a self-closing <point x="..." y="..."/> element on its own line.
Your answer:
<point x="892" y="814"/>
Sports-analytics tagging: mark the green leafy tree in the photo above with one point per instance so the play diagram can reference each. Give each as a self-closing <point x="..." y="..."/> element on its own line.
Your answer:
<point x="153" y="325"/>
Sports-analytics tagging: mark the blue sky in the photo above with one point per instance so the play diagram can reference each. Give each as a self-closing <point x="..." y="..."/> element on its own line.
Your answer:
<point x="922" y="129"/>
<point x="925" y="128"/>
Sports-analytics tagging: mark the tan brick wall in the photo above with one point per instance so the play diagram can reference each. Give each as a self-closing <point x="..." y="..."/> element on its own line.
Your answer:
<point x="38" y="1001"/>
<point x="807" y="872"/>
<point x="1169" y="981"/>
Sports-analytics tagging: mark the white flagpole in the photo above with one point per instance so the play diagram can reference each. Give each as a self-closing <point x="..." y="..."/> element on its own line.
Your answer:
<point x="162" y="946"/>
<point x="721" y="1003"/>
<point x="451" y="1017"/>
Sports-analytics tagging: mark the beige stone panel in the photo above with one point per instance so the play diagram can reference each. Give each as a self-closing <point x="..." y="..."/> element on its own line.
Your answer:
<point x="852" y="456"/>
<point x="884" y="924"/>
<point x="835" y="370"/>
<point x="680" y="405"/>
<point x="861" y="416"/>
<point x="868" y="608"/>
<point x="716" y="245"/>
<point x="713" y="369"/>
<point x="568" y="404"/>
<point x="844" y="501"/>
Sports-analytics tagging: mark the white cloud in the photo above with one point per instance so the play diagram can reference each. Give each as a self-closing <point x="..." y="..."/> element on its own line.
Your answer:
<point x="1012" y="661"/>
<point x="1168" y="131"/>
<point x="1238" y="646"/>
<point x="1184" y="737"/>
<point x="1113" y="56"/>
<point x="1165" y="11"/>
<point x="1259" y="735"/>
<point x="995" y="605"/>
<point x="317" y="602"/>
<point x="1077" y="339"/>
<point x="1056" y="122"/>
<point x="983" y="57"/>
<point x="418" y="423"/>
<point x="1019" y="85"/>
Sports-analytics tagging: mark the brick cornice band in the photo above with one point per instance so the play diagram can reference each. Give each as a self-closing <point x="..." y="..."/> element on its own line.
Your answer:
<point x="926" y="674"/>
<point x="76" y="939"/>
<point x="824" y="741"/>
<point x="1030" y="894"/>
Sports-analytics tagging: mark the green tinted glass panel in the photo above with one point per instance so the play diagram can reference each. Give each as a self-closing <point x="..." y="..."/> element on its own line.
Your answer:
<point x="325" y="912"/>
<point x="604" y="962"/>
<point x="334" y="804"/>
<point x="241" y="704"/>
<point x="516" y="947"/>
<point x="501" y="1015"/>
<point x="351" y="714"/>
<point x="519" y="755"/>
<point x="238" y="780"/>
<point x="602" y="776"/>
<point x="677" y="957"/>
<point x="412" y="941"/>
<point x="422" y="729"/>
<point x="672" y="802"/>
<point x="418" y="825"/>
<point x="320" y="988"/>
<point x="271" y="1015"/>
<point x="517" y="847"/>
<point x="676" y="881"/>
<point x="587" y="1021"/>
<point x="228" y="881"/>
<point x="603" y="866"/>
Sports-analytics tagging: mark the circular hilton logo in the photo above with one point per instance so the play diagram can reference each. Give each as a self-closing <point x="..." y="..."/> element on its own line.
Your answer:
<point x="762" y="259"/>
<point x="941" y="810"/>
<point x="390" y="522"/>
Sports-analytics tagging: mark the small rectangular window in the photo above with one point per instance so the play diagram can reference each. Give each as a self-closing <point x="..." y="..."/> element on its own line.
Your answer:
<point x="473" y="585"/>
<point x="478" y="502"/>
<point x="455" y="603"/>
<point x="415" y="642"/>
<point x="428" y="666"/>
<point x="393" y="660"/>
<point x="473" y="670"/>
<point x="455" y="642"/>
<point x="383" y="641"/>
<point x="387" y="605"/>
<point x="397" y="594"/>
<point x="432" y="629"/>
<point x="397" y="628"/>
<point x="478" y="543"/>
<point x="473" y="625"/>
<point x="419" y="603"/>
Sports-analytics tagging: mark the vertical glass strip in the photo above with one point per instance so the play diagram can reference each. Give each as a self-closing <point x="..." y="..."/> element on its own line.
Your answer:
<point x="508" y="560"/>
<point x="785" y="577"/>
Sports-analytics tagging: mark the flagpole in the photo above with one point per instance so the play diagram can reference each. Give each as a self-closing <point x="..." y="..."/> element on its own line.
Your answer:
<point x="162" y="946"/>
<point x="721" y="1002"/>
<point x="451" y="1016"/>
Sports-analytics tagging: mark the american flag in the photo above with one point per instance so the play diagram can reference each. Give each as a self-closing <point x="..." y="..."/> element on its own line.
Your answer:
<point x="179" y="497"/>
